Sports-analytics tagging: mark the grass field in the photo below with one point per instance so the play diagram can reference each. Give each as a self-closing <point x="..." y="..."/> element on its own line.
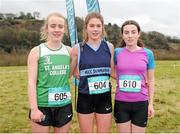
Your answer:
<point x="14" y="101"/>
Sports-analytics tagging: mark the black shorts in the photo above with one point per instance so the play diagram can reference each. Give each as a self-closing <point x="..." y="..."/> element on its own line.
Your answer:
<point x="98" y="103"/>
<point x="136" y="112"/>
<point x="56" y="116"/>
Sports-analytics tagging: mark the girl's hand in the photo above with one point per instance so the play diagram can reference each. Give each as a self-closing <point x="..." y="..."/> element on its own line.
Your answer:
<point x="37" y="115"/>
<point x="150" y="111"/>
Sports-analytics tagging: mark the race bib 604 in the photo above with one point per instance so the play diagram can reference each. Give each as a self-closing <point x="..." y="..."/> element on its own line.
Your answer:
<point x="98" y="84"/>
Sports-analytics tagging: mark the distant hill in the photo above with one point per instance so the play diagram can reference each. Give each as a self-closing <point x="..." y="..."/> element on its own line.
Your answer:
<point x="24" y="34"/>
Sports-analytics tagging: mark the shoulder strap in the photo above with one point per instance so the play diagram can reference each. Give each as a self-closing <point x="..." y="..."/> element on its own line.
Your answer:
<point x="109" y="45"/>
<point x="41" y="49"/>
<point x="66" y="48"/>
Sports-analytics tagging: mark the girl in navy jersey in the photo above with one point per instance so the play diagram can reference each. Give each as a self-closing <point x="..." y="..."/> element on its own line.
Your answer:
<point x="93" y="59"/>
<point x="134" y="65"/>
<point x="48" y="79"/>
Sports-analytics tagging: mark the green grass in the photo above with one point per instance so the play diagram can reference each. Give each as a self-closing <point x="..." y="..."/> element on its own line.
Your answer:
<point x="14" y="101"/>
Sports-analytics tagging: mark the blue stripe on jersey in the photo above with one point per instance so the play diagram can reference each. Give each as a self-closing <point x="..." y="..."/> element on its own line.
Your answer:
<point x="151" y="64"/>
<point x="116" y="51"/>
<point x="95" y="71"/>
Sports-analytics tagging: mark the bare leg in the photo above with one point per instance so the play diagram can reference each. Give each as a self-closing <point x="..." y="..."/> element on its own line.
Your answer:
<point x="63" y="129"/>
<point x="86" y="122"/>
<point x="104" y="122"/>
<point x="124" y="127"/>
<point x="36" y="128"/>
<point x="137" y="129"/>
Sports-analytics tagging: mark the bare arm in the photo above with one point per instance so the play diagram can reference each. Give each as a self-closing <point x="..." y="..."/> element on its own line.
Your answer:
<point x="36" y="115"/>
<point x="70" y="51"/>
<point x="73" y="66"/>
<point x="150" y="75"/>
<point x="32" y="77"/>
<point x="112" y="61"/>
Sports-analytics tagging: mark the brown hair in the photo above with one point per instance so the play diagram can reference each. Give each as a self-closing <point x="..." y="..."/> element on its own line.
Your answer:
<point x="131" y="22"/>
<point x="43" y="30"/>
<point x="87" y="19"/>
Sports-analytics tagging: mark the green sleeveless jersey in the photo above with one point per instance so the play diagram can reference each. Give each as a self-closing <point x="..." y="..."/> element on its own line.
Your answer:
<point x="53" y="89"/>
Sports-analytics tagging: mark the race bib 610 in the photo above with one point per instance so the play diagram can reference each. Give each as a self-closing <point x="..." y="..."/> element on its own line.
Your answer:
<point x="130" y="83"/>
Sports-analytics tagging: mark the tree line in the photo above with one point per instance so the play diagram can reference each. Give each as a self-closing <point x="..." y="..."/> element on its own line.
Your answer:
<point x="22" y="33"/>
<point x="21" y="15"/>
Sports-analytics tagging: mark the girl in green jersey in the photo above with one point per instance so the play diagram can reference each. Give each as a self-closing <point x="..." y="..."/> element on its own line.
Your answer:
<point x="48" y="74"/>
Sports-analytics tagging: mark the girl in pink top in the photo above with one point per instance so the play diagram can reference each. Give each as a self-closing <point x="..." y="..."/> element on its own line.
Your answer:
<point x="134" y="66"/>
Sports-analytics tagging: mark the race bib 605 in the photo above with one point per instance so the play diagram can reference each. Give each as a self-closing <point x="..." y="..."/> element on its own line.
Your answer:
<point x="59" y="96"/>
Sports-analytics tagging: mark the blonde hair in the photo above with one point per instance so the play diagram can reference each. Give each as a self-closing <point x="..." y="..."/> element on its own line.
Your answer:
<point x="87" y="19"/>
<point x="43" y="30"/>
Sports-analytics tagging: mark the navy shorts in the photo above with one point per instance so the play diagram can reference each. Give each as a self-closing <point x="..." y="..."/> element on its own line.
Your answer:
<point x="56" y="116"/>
<point x="98" y="103"/>
<point x="136" y="112"/>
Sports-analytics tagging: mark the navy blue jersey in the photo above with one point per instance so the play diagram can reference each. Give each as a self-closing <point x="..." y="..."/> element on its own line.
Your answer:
<point x="94" y="69"/>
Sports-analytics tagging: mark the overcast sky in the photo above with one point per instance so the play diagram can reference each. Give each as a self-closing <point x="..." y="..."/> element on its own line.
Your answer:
<point x="152" y="15"/>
